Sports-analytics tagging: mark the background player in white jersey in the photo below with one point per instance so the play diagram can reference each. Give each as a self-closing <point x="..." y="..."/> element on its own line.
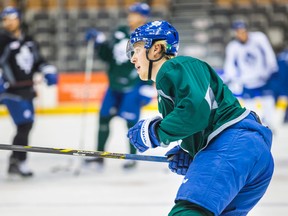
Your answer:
<point x="249" y="63"/>
<point x="19" y="60"/>
<point x="126" y="93"/>
<point x="223" y="151"/>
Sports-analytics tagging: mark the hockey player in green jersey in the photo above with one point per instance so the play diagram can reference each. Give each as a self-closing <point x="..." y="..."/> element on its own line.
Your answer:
<point x="126" y="93"/>
<point x="224" y="150"/>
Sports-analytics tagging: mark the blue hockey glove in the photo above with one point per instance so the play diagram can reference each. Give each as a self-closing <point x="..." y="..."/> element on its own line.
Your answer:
<point x="51" y="79"/>
<point x="3" y="85"/>
<point x="143" y="135"/>
<point x="91" y="34"/>
<point x="50" y="74"/>
<point x="179" y="160"/>
<point x="97" y="36"/>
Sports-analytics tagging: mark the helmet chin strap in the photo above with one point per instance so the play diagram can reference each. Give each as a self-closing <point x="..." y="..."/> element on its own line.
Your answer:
<point x="151" y="63"/>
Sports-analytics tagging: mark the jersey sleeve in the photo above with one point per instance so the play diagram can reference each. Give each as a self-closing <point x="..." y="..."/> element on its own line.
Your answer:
<point x="104" y="52"/>
<point x="270" y="57"/>
<point x="4" y="41"/>
<point x="230" y="63"/>
<point x="115" y="49"/>
<point x="40" y="61"/>
<point x="190" y="112"/>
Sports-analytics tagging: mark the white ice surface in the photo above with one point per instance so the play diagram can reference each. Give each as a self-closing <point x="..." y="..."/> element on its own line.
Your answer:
<point x="147" y="191"/>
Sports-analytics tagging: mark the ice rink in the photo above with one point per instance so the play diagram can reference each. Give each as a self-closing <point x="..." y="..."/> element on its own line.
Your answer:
<point x="147" y="191"/>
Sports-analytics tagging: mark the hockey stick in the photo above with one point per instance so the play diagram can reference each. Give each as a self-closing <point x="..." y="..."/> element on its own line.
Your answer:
<point x="83" y="153"/>
<point x="77" y="164"/>
<point x="88" y="71"/>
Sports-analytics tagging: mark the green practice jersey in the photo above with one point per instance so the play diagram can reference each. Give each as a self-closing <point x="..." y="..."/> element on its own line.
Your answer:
<point x="195" y="104"/>
<point x="121" y="72"/>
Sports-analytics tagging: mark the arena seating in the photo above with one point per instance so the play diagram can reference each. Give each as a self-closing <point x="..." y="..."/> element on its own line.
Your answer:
<point x="204" y="27"/>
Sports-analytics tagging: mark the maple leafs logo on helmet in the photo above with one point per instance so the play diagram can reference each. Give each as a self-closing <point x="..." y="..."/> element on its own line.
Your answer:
<point x="156" y="23"/>
<point x="154" y="31"/>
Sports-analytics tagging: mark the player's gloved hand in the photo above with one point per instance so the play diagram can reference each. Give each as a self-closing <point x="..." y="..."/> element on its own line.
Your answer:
<point x="97" y="36"/>
<point x="50" y="74"/>
<point x="3" y="85"/>
<point x="143" y="134"/>
<point x="179" y="160"/>
<point x="51" y="79"/>
<point x="91" y="34"/>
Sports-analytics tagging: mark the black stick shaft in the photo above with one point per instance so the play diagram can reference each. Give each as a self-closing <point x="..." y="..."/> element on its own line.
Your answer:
<point x="83" y="153"/>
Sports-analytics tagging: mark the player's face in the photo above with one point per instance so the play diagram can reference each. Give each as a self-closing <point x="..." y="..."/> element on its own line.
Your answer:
<point x="11" y="23"/>
<point x="140" y="61"/>
<point x="135" y="20"/>
<point x="241" y="35"/>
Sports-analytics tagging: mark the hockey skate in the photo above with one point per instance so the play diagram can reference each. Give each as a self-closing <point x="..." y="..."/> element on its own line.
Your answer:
<point x="129" y="165"/>
<point x="97" y="162"/>
<point x="19" y="168"/>
<point x="285" y="121"/>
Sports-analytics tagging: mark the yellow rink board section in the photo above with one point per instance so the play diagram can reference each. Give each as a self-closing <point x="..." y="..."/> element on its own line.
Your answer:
<point x="70" y="109"/>
<point x="94" y="108"/>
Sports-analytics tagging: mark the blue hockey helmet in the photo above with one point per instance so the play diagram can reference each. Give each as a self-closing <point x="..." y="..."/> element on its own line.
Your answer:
<point x="10" y="11"/>
<point x="239" y="24"/>
<point x="141" y="8"/>
<point x="154" y="31"/>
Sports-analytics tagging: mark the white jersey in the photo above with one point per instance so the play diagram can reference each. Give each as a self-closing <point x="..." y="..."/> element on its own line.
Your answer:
<point x="250" y="64"/>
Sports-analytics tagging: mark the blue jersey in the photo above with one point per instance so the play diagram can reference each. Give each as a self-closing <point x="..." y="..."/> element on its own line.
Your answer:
<point x="282" y="59"/>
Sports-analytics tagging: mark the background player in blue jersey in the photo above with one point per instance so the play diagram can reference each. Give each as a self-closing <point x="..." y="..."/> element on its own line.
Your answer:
<point x="282" y="86"/>
<point x="126" y="93"/>
<point x="223" y="151"/>
<point x="19" y="60"/>
<point x="250" y="63"/>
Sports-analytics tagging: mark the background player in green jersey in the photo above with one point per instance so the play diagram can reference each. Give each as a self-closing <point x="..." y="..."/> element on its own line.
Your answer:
<point x="224" y="151"/>
<point x="126" y="93"/>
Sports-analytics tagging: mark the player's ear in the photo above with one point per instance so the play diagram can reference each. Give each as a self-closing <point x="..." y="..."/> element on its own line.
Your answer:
<point x="158" y="49"/>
